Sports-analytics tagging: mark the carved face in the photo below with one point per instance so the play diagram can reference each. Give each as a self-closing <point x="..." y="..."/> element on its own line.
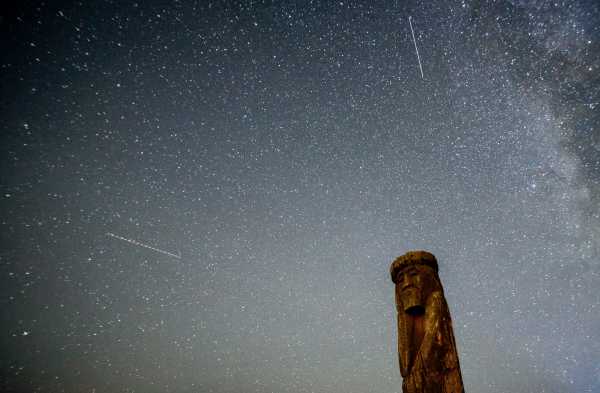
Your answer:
<point x="414" y="284"/>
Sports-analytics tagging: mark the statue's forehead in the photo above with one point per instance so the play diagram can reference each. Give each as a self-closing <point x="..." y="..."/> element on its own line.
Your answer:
<point x="416" y="267"/>
<point x="409" y="268"/>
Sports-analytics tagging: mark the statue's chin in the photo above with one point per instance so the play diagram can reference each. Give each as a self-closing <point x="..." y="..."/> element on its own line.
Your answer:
<point x="415" y="310"/>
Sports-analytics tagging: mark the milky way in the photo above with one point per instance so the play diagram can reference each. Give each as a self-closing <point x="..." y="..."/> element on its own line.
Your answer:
<point x="288" y="153"/>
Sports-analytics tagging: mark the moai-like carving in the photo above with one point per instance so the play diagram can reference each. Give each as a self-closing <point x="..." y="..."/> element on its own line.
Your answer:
<point x="426" y="347"/>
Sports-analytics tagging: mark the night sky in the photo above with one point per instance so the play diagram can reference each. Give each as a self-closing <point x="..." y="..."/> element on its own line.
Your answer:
<point x="207" y="196"/>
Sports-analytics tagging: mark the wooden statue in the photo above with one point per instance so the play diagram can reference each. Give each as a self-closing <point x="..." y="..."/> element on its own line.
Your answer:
<point x="426" y="347"/>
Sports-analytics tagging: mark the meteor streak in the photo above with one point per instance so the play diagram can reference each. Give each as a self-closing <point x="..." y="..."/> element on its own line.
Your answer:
<point x="136" y="243"/>
<point x="416" y="49"/>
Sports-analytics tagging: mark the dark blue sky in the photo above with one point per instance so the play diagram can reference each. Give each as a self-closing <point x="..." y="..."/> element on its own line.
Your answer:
<point x="289" y="152"/>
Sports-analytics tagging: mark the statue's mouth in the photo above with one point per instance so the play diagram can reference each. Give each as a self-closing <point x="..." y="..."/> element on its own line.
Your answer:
<point x="415" y="310"/>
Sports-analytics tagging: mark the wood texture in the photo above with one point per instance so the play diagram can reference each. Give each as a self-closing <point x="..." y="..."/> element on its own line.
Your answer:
<point x="426" y="347"/>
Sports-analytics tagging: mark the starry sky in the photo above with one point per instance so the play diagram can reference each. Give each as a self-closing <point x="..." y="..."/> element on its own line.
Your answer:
<point x="206" y="196"/>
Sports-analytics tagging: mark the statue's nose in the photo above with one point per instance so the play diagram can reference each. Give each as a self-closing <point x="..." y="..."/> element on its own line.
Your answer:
<point x="406" y="282"/>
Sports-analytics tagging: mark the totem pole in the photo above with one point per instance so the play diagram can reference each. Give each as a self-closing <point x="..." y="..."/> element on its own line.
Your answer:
<point x="426" y="347"/>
